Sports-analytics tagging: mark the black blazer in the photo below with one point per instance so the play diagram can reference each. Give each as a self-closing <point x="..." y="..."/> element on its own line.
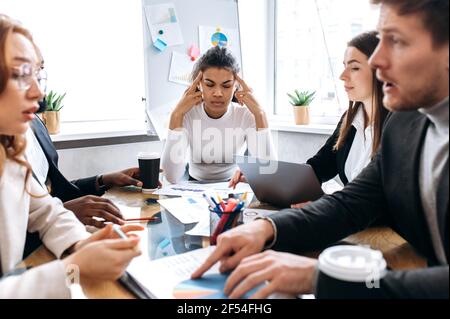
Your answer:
<point x="328" y="163"/>
<point x="61" y="187"/>
<point x="388" y="187"/>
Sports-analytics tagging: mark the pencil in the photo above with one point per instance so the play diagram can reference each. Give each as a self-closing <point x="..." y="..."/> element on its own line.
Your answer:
<point x="142" y="219"/>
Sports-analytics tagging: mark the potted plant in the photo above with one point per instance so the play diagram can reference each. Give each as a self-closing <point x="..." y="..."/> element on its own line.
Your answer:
<point x="54" y="102"/>
<point x="301" y="101"/>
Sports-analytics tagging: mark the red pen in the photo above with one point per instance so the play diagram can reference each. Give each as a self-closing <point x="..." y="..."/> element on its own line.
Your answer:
<point x="231" y="204"/>
<point x="219" y="228"/>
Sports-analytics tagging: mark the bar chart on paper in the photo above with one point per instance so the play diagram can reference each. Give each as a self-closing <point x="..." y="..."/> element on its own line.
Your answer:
<point x="208" y="287"/>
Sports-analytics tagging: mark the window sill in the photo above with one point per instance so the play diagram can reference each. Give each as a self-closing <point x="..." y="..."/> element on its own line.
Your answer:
<point x="321" y="129"/>
<point x="76" y="131"/>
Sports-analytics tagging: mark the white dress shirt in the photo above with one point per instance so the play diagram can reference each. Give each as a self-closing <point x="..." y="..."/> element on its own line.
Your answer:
<point x="36" y="157"/>
<point x="361" y="150"/>
<point x="433" y="159"/>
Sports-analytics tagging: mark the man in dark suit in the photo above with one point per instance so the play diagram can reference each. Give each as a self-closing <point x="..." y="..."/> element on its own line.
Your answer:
<point x="406" y="183"/>
<point x="82" y="196"/>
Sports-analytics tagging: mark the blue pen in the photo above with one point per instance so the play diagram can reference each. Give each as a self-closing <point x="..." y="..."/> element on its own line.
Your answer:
<point x="218" y="208"/>
<point x="214" y="201"/>
<point x="218" y="211"/>
<point x="238" y="207"/>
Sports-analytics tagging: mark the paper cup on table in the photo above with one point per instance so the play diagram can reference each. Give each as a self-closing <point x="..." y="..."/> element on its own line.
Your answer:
<point x="149" y="171"/>
<point x="349" y="272"/>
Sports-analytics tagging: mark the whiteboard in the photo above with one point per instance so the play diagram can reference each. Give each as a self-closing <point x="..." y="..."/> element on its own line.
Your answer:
<point x="162" y="94"/>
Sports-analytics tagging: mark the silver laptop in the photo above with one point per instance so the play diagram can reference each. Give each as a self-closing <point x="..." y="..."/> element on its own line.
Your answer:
<point x="280" y="183"/>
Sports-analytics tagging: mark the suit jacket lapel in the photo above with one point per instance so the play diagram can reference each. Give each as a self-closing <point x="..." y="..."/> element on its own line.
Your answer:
<point x="442" y="207"/>
<point x="411" y="166"/>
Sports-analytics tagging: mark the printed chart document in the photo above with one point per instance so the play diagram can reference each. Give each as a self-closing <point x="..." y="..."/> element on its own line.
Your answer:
<point x="187" y="210"/>
<point x="181" y="69"/>
<point x="163" y="23"/>
<point x="161" y="276"/>
<point x="197" y="189"/>
<point x="203" y="227"/>
<point x="169" y="278"/>
<point x="183" y="189"/>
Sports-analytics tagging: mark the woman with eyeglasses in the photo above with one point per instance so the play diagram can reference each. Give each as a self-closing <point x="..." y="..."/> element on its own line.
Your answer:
<point x="25" y="205"/>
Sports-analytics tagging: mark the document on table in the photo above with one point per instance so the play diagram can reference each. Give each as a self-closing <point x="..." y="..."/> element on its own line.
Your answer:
<point x="161" y="276"/>
<point x="202" y="228"/>
<point x="129" y="212"/>
<point x="187" y="210"/>
<point x="223" y="190"/>
<point x="197" y="189"/>
<point x="183" y="189"/>
<point x="169" y="278"/>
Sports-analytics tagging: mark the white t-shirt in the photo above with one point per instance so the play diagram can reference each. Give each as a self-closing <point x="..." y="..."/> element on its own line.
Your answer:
<point x="361" y="150"/>
<point x="212" y="144"/>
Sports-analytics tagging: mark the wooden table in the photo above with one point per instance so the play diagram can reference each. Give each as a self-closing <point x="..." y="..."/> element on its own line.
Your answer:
<point x="398" y="253"/>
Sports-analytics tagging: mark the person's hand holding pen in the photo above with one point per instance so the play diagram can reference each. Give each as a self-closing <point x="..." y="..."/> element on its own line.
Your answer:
<point x="108" y="233"/>
<point x="106" y="254"/>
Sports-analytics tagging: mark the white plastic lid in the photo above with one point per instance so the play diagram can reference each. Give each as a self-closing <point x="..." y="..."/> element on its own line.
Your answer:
<point x="144" y="155"/>
<point x="352" y="263"/>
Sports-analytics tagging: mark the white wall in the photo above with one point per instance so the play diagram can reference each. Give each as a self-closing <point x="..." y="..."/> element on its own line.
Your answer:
<point x="89" y="161"/>
<point x="84" y="162"/>
<point x="298" y="147"/>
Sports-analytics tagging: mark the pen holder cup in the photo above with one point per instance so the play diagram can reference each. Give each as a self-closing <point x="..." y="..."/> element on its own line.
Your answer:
<point x="220" y="222"/>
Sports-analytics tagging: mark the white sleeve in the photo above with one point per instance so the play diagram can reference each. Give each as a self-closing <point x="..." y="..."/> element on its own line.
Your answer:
<point x="174" y="160"/>
<point x="47" y="281"/>
<point x="58" y="227"/>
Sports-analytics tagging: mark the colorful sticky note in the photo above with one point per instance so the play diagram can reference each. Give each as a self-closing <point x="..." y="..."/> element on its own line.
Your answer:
<point x="160" y="45"/>
<point x="194" y="52"/>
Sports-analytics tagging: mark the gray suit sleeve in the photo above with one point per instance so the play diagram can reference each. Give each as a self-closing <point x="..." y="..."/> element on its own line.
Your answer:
<point x="332" y="217"/>
<point x="420" y="283"/>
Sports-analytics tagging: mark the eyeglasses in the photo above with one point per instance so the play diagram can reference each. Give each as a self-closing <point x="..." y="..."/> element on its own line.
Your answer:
<point x="24" y="75"/>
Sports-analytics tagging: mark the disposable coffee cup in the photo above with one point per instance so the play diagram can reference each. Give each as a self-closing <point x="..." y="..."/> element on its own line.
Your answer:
<point x="352" y="272"/>
<point x="149" y="171"/>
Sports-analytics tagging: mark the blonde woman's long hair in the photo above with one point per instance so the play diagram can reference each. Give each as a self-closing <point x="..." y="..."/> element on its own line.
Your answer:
<point x="366" y="43"/>
<point x="11" y="147"/>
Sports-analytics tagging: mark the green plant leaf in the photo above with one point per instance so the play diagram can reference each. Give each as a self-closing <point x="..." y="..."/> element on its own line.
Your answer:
<point x="293" y="99"/>
<point x="301" y="98"/>
<point x="54" y="101"/>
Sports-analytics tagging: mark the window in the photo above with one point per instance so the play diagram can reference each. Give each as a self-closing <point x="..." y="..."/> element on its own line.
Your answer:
<point x="311" y="38"/>
<point x="93" y="50"/>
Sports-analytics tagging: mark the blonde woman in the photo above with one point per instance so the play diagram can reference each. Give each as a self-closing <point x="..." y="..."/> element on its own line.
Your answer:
<point x="24" y="205"/>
